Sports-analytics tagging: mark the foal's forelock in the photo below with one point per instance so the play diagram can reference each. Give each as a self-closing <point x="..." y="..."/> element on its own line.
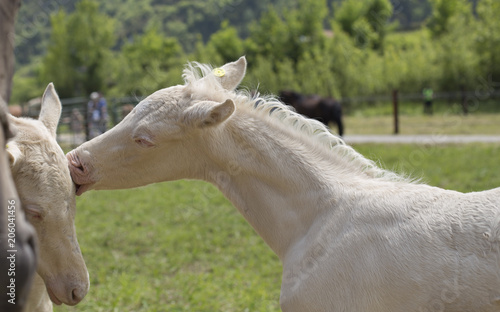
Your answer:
<point x="43" y="158"/>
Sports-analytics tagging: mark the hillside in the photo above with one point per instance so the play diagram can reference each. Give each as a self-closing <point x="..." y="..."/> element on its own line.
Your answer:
<point x="132" y="48"/>
<point x="187" y="20"/>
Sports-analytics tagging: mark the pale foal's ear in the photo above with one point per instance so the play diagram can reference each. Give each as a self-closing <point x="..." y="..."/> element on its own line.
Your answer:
<point x="208" y="113"/>
<point x="232" y="74"/>
<point x="8" y="130"/>
<point x="51" y="109"/>
<point x="14" y="153"/>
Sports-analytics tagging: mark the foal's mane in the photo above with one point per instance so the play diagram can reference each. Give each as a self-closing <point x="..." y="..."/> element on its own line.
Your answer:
<point x="200" y="77"/>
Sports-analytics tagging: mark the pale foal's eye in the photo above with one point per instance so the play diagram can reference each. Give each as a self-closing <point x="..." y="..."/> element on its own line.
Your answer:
<point x="33" y="212"/>
<point x="144" y="142"/>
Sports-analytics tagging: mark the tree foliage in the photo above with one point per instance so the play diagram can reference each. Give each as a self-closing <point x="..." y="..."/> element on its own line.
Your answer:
<point x="153" y="63"/>
<point x="225" y="44"/>
<point x="79" y="50"/>
<point x="443" y="14"/>
<point x="488" y="40"/>
<point x="365" y="21"/>
<point x="333" y="48"/>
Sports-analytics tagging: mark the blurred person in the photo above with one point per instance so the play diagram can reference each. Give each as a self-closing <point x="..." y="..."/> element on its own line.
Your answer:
<point x="428" y="94"/>
<point x="97" y="115"/>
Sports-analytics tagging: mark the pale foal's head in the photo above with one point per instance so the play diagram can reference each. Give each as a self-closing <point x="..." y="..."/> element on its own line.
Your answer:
<point x="42" y="178"/>
<point x="160" y="139"/>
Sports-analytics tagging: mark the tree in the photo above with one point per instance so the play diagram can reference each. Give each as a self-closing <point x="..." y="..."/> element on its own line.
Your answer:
<point x="153" y="62"/>
<point x="57" y="66"/>
<point x="488" y="40"/>
<point x="8" y="12"/>
<point x="289" y="36"/>
<point x="410" y="14"/>
<point x="443" y="12"/>
<point x="457" y="59"/>
<point x="365" y="21"/>
<point x="79" y="50"/>
<point x="226" y="43"/>
<point x="305" y="25"/>
<point x="452" y="27"/>
<point x="315" y="73"/>
<point x="268" y="37"/>
<point x="411" y="62"/>
<point x="378" y="16"/>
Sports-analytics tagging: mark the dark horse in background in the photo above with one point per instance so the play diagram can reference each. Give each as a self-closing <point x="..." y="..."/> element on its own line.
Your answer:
<point x="315" y="106"/>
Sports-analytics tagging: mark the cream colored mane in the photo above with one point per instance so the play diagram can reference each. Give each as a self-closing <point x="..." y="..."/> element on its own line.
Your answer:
<point x="200" y="77"/>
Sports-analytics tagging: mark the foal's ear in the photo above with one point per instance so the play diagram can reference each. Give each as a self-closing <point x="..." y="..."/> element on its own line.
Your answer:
<point x="14" y="153"/>
<point x="8" y="129"/>
<point x="208" y="113"/>
<point x="51" y="109"/>
<point x="233" y="73"/>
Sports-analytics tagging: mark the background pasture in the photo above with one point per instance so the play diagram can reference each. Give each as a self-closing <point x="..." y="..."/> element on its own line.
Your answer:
<point x="181" y="246"/>
<point x="437" y="124"/>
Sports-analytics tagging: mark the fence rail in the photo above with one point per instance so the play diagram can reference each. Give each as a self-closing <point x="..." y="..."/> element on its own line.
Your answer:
<point x="117" y="105"/>
<point x="456" y="95"/>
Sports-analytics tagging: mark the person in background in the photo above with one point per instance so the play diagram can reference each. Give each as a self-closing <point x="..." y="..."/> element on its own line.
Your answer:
<point x="97" y="115"/>
<point x="428" y="95"/>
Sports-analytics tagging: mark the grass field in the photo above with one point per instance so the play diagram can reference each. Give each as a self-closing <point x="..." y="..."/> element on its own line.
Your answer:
<point x="483" y="118"/>
<point x="181" y="246"/>
<point x="421" y="124"/>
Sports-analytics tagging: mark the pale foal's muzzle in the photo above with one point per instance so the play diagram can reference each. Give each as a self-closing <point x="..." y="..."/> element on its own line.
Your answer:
<point x="80" y="174"/>
<point x="69" y="293"/>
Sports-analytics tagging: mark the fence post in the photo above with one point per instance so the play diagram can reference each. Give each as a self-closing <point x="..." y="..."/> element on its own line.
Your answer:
<point x="86" y="120"/>
<point x="395" y="110"/>
<point x="114" y="111"/>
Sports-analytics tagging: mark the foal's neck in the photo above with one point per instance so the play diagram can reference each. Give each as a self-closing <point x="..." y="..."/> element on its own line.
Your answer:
<point x="279" y="183"/>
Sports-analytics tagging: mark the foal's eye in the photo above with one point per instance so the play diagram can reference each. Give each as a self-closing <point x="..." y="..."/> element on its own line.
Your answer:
<point x="33" y="212"/>
<point x="143" y="142"/>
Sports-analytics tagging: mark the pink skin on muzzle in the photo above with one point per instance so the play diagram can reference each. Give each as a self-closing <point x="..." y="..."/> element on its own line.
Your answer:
<point x="79" y="174"/>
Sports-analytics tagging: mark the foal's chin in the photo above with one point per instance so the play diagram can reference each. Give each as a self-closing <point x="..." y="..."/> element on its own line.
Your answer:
<point x="82" y="188"/>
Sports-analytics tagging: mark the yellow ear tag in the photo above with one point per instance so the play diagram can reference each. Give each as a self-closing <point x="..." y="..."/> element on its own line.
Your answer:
<point x="6" y="145"/>
<point x="219" y="72"/>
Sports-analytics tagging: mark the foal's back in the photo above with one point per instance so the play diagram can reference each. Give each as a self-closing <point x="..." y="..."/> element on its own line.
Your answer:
<point x="393" y="250"/>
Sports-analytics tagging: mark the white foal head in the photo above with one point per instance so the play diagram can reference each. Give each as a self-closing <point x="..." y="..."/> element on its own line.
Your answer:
<point x="161" y="139"/>
<point x="43" y="181"/>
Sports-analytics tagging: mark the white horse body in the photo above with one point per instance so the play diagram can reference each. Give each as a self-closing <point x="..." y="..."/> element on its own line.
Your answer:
<point x="426" y="250"/>
<point x="351" y="236"/>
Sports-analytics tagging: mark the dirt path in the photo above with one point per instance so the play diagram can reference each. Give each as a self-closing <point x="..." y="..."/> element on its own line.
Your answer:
<point x="421" y="139"/>
<point x="375" y="138"/>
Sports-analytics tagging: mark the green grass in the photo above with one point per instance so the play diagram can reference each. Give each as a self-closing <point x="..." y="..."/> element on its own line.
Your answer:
<point x="420" y="124"/>
<point x="177" y="246"/>
<point x="461" y="167"/>
<point x="416" y="108"/>
<point x="483" y="118"/>
<point x="181" y="246"/>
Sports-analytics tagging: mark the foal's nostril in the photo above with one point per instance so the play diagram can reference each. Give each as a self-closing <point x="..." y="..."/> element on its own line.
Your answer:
<point x="76" y="296"/>
<point x="80" y="167"/>
<point x="75" y="162"/>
